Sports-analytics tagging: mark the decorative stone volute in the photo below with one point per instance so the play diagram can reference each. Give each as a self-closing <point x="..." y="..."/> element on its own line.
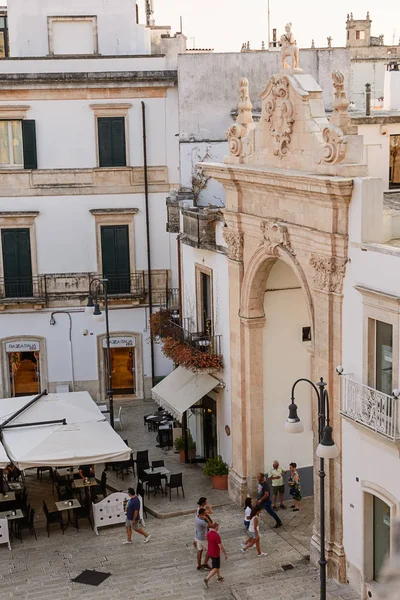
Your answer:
<point x="239" y="134"/>
<point x="275" y="236"/>
<point x="340" y="116"/>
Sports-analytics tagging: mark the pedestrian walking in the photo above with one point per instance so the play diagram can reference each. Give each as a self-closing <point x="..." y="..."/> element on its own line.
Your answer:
<point x="202" y="503"/>
<point x="264" y="499"/>
<point x="278" y="487"/>
<point x="254" y="535"/>
<point x="247" y="512"/>
<point x="133" y="518"/>
<point x="201" y="538"/>
<point x="294" y="486"/>
<point x="215" y="547"/>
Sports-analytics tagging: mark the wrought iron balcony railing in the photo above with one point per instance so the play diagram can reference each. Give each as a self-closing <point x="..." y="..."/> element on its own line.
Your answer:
<point x="23" y="289"/>
<point x="210" y="344"/>
<point x="371" y="408"/>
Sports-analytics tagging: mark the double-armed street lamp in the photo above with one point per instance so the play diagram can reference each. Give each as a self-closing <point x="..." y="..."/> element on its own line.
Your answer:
<point x="326" y="449"/>
<point x="97" y="287"/>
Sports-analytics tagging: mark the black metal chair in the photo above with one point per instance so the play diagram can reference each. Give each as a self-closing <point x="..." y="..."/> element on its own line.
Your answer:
<point x="175" y="482"/>
<point x="82" y="513"/>
<point x="27" y="523"/>
<point x="101" y="488"/>
<point x="159" y="463"/>
<point x="40" y="471"/>
<point x="125" y="465"/>
<point x="52" y="518"/>
<point x="154" y="484"/>
<point x="142" y="456"/>
<point x="141" y="475"/>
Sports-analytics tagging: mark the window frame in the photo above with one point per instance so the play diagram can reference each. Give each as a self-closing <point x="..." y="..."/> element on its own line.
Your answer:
<point x="12" y="164"/>
<point x="112" y="110"/>
<point x="50" y="32"/>
<point x="199" y="271"/>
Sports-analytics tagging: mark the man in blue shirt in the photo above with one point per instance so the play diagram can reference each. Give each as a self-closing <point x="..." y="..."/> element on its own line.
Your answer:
<point x="133" y="522"/>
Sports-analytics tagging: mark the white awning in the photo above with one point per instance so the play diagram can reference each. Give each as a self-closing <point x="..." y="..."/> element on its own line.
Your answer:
<point x="86" y="438"/>
<point x="4" y="460"/>
<point x="181" y="389"/>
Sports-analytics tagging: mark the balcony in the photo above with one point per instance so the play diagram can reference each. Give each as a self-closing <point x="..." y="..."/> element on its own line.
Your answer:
<point x="72" y="289"/>
<point x="372" y="409"/>
<point x="195" y="351"/>
<point x="199" y="227"/>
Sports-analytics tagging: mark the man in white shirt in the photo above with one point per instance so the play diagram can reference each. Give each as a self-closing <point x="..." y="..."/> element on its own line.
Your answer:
<point x="278" y="487"/>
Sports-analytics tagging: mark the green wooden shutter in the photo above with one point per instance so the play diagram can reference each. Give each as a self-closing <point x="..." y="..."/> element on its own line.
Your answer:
<point x="118" y="141"/>
<point x="29" y="144"/>
<point x="17" y="263"/>
<point x="104" y="137"/>
<point x="111" y="136"/>
<point x="115" y="258"/>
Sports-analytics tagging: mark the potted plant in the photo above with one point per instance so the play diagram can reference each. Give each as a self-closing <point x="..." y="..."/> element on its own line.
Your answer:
<point x="218" y="470"/>
<point x="179" y="445"/>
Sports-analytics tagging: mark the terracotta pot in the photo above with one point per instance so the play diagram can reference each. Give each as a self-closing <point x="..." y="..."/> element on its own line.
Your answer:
<point x="191" y="455"/>
<point x="220" y="482"/>
<point x="182" y="456"/>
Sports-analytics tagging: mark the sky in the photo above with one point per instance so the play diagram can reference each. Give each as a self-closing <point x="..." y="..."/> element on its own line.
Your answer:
<point x="225" y="24"/>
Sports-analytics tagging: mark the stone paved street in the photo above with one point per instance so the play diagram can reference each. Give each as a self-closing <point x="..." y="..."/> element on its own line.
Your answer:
<point x="166" y="566"/>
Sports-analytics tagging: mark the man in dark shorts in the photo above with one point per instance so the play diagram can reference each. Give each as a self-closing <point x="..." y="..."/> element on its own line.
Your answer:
<point x="133" y="522"/>
<point x="215" y="548"/>
<point x="264" y="498"/>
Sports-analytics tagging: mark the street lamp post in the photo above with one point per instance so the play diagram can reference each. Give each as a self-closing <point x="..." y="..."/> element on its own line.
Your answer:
<point x="326" y="449"/>
<point x="96" y="287"/>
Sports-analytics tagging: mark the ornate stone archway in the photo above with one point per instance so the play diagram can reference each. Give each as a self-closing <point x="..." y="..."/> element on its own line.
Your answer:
<point x="290" y="206"/>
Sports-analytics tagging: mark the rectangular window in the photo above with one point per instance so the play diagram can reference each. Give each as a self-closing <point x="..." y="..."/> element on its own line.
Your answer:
<point x="381" y="535"/>
<point x="204" y="300"/>
<point x="11" y="154"/>
<point x="394" y="161"/>
<point x="4" y="50"/>
<point x="115" y="258"/>
<point x="360" y="34"/>
<point x="111" y="140"/>
<point x="17" y="263"/>
<point x="384" y="357"/>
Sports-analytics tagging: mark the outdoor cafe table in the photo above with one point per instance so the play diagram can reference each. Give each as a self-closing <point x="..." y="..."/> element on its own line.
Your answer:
<point x="67" y="471"/>
<point x="68" y="505"/>
<point x="157" y="470"/>
<point x="82" y="483"/>
<point x="15" y="486"/>
<point x="10" y="497"/>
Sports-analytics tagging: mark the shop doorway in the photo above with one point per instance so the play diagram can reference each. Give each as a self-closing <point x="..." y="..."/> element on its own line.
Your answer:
<point x="122" y="370"/>
<point x="200" y="427"/>
<point x="24" y="373"/>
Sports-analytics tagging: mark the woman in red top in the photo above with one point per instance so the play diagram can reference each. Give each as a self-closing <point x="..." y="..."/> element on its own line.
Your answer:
<point x="215" y="548"/>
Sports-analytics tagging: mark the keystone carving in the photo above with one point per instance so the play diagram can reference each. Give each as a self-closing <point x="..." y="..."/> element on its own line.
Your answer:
<point x="278" y="112"/>
<point x="329" y="273"/>
<point x="276" y="236"/>
<point x="235" y="245"/>
<point x="239" y="143"/>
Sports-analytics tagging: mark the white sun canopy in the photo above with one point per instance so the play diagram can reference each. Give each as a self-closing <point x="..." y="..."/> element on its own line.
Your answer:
<point x="86" y="438"/>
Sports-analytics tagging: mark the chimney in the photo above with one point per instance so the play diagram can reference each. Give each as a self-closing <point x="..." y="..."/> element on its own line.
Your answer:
<point x="391" y="90"/>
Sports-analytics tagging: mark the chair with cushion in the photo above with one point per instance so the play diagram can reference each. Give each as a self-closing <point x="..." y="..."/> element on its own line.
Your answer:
<point x="28" y="523"/>
<point x="175" y="481"/>
<point x="52" y="518"/>
<point x="154" y="483"/>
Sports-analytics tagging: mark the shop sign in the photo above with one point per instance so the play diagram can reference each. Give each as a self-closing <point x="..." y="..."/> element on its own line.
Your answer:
<point x="120" y="342"/>
<point x="23" y="346"/>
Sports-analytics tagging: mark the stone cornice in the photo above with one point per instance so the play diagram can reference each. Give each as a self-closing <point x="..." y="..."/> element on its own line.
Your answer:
<point x="111" y="211"/>
<point x="291" y="181"/>
<point x="163" y="78"/>
<point x="70" y="182"/>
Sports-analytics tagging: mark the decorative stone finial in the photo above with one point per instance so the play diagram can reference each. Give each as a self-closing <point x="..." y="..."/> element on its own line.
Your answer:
<point x="312" y="44"/>
<point x="248" y="46"/>
<point x="262" y="45"/>
<point x="329" y="39"/>
<point x="340" y="116"/>
<point x="368" y="19"/>
<point x="289" y="48"/>
<point x="240" y="144"/>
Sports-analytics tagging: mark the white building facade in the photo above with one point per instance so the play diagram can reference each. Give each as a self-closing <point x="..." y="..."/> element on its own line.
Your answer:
<point x="76" y="186"/>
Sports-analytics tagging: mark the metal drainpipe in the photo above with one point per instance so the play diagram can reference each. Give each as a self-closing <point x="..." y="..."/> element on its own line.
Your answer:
<point x="146" y="195"/>
<point x="180" y="278"/>
<point x="52" y="322"/>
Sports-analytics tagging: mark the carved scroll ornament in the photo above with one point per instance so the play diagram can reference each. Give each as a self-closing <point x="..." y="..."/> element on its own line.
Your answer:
<point x="335" y="146"/>
<point x="239" y="144"/>
<point x="276" y="236"/>
<point x="234" y="241"/>
<point x="278" y="110"/>
<point x="329" y="273"/>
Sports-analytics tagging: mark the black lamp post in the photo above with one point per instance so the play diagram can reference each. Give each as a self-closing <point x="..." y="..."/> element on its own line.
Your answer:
<point x="96" y="287"/>
<point x="326" y="449"/>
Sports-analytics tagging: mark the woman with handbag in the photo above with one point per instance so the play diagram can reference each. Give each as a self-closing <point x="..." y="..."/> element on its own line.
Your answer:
<point x="294" y="486"/>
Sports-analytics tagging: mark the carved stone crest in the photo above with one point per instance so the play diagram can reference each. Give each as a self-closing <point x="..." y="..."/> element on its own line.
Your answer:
<point x="335" y="146"/>
<point x="276" y="236"/>
<point x="278" y="112"/>
<point x="329" y="273"/>
<point x="234" y="240"/>
<point x="239" y="144"/>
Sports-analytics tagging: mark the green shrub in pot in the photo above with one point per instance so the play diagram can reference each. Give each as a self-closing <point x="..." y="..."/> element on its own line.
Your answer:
<point x="215" y="467"/>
